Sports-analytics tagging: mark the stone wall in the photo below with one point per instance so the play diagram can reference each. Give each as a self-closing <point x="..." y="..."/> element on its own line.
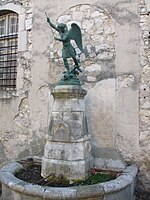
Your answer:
<point x="144" y="140"/>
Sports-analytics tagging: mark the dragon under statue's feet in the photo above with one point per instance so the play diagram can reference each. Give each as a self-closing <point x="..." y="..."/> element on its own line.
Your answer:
<point x="70" y="77"/>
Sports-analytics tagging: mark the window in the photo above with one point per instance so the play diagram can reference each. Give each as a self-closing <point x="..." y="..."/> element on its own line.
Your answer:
<point x="8" y="50"/>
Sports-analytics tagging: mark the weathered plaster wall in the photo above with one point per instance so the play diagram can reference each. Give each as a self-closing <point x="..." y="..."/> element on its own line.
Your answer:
<point x="14" y="107"/>
<point x="23" y="114"/>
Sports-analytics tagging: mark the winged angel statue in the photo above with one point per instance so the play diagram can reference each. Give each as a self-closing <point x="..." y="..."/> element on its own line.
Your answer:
<point x="68" y="50"/>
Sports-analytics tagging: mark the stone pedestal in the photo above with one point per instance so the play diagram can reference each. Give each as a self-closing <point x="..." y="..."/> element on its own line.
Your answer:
<point x="68" y="149"/>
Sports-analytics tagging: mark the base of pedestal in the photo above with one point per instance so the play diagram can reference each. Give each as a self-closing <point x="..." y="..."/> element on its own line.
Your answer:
<point x="70" y="169"/>
<point x="69" y="151"/>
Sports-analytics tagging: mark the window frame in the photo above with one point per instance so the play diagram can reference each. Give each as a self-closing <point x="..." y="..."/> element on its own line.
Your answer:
<point x="22" y="46"/>
<point x="8" y="51"/>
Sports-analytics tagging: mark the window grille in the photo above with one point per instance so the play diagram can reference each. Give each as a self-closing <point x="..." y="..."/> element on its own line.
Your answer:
<point x="8" y="50"/>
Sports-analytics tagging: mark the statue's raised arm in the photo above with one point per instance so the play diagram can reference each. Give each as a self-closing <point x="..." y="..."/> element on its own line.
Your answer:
<point x="51" y="24"/>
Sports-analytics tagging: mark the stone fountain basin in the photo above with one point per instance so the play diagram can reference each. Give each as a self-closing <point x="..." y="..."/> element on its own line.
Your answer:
<point x="122" y="188"/>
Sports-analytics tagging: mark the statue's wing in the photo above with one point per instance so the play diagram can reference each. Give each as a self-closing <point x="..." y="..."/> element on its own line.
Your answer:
<point x="75" y="34"/>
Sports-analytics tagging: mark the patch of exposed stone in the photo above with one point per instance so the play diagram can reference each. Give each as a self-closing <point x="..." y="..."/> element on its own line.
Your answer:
<point x="97" y="29"/>
<point x="26" y="57"/>
<point x="144" y="140"/>
<point x="125" y="80"/>
<point x="22" y="121"/>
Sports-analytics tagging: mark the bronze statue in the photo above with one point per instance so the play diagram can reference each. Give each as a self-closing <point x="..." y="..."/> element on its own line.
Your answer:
<point x="68" y="50"/>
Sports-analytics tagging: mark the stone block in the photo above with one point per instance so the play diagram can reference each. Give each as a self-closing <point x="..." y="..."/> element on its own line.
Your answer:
<point x="94" y="67"/>
<point x="95" y="191"/>
<point x="71" y="169"/>
<point x="59" y="130"/>
<point x="28" y="24"/>
<point x="91" y="79"/>
<point x="148" y="4"/>
<point x="126" y="80"/>
<point x="75" y="120"/>
<point x="123" y="194"/>
<point x="22" y="40"/>
<point x="77" y="105"/>
<point x="68" y="91"/>
<point x="67" y="151"/>
<point x="60" y="193"/>
<point x="67" y="126"/>
<point x="21" y="22"/>
<point x="56" y="117"/>
<point x="61" y="105"/>
<point x="84" y="7"/>
<point x="68" y="105"/>
<point x="34" y="190"/>
<point x="77" y="16"/>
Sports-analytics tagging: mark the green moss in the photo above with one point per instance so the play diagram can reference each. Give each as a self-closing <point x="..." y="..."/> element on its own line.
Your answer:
<point x="76" y="182"/>
<point x="90" y="180"/>
<point x="93" y="179"/>
<point x="98" y="178"/>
